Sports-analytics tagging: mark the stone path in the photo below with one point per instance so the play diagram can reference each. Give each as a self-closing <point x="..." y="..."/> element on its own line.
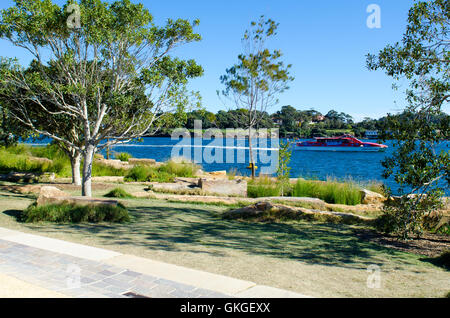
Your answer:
<point x="77" y="277"/>
<point x="76" y="270"/>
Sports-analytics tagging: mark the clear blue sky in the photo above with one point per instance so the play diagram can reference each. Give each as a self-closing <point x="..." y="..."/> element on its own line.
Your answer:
<point x="325" y="40"/>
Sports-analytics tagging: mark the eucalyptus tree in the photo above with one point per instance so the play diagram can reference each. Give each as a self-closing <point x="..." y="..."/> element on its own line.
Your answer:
<point x="255" y="82"/>
<point x="420" y="163"/>
<point x="103" y="53"/>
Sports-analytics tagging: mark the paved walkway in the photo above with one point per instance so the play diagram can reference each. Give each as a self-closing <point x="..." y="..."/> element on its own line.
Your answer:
<point x="55" y="268"/>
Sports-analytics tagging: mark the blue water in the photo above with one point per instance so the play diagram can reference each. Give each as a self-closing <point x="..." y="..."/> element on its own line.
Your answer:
<point x="229" y="154"/>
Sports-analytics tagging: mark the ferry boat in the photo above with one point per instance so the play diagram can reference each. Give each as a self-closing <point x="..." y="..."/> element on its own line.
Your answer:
<point x="342" y="143"/>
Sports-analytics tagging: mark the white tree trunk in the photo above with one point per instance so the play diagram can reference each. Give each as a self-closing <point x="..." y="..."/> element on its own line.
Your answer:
<point x="87" y="171"/>
<point x="75" y="162"/>
<point x="250" y="146"/>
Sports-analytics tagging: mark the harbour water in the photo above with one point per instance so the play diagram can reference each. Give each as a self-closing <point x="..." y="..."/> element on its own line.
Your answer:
<point x="225" y="154"/>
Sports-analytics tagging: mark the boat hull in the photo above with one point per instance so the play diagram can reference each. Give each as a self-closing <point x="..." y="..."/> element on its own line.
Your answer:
<point x="340" y="149"/>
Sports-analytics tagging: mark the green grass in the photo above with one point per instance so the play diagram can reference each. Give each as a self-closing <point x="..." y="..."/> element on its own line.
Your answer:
<point x="330" y="191"/>
<point x="316" y="259"/>
<point x="67" y="213"/>
<point x="263" y="186"/>
<point x="17" y="159"/>
<point x="118" y="193"/>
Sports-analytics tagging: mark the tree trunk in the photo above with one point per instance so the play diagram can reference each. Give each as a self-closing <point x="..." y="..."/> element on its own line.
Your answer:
<point x="86" y="190"/>
<point x="75" y="162"/>
<point x="252" y="162"/>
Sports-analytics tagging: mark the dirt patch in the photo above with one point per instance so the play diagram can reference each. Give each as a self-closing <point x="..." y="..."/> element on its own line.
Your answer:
<point x="430" y="245"/>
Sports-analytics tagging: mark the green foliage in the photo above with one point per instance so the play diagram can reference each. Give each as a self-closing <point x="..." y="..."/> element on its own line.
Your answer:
<point x="330" y="191"/>
<point x="422" y="58"/>
<point x="66" y="213"/>
<point x="283" y="173"/>
<point x="164" y="173"/>
<point x="263" y="187"/>
<point x="118" y="193"/>
<point x="134" y="84"/>
<point x="123" y="156"/>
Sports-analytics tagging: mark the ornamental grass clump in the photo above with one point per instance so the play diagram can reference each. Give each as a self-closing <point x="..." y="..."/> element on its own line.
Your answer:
<point x="70" y="213"/>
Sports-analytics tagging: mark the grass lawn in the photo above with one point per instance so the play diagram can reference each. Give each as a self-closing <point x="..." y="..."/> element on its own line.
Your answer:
<point x="315" y="259"/>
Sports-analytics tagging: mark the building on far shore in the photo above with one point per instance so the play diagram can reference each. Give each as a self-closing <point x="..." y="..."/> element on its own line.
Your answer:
<point x="371" y="134"/>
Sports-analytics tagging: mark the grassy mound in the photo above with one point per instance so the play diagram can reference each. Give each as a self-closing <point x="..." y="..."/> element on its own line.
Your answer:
<point x="119" y="193"/>
<point x="67" y="213"/>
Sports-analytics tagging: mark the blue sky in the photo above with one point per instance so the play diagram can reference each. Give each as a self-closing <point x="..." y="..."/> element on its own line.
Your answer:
<point x="326" y="41"/>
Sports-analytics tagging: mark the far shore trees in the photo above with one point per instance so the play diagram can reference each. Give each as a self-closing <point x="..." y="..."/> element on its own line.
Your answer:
<point x="254" y="83"/>
<point x="423" y="59"/>
<point x="111" y="72"/>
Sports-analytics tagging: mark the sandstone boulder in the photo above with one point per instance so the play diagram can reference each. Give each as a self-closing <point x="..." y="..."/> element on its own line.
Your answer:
<point x="218" y="174"/>
<point x="48" y="193"/>
<point x="237" y="187"/>
<point x="141" y="162"/>
<point x="370" y="197"/>
<point x="81" y="201"/>
<point x="114" y="163"/>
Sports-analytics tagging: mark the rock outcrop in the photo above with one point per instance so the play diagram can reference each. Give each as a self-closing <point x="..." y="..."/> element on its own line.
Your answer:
<point x="267" y="210"/>
<point x="236" y="187"/>
<point x="370" y="197"/>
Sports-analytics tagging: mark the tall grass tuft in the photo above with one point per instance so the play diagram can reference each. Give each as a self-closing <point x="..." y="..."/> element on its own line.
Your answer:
<point x="330" y="191"/>
<point x="167" y="172"/>
<point x="67" y="213"/>
<point x="263" y="186"/>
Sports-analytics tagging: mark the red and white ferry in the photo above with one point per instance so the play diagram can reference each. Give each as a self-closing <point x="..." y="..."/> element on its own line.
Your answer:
<point x="342" y="143"/>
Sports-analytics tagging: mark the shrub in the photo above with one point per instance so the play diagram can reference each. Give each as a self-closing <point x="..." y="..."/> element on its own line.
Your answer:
<point x="118" y="193"/>
<point x="123" y="156"/>
<point x="68" y="213"/>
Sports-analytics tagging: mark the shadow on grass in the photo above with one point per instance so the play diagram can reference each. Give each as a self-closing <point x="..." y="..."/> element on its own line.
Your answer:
<point x="14" y="213"/>
<point x="442" y="261"/>
<point x="182" y="228"/>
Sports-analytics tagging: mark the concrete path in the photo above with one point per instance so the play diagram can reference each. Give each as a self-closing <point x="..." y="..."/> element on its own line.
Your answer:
<point x="37" y="266"/>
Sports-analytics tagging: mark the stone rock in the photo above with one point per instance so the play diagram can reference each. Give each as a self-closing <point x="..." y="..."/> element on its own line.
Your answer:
<point x="40" y="160"/>
<point x="21" y="177"/>
<point x="237" y="187"/>
<point x="142" y="162"/>
<point x="81" y="201"/>
<point x="262" y="208"/>
<point x="48" y="193"/>
<point x="114" y="163"/>
<point x="112" y="179"/>
<point x="172" y="187"/>
<point x="370" y="197"/>
<point x="26" y="189"/>
<point x="143" y="195"/>
<point x="221" y="174"/>
<point x="47" y="177"/>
